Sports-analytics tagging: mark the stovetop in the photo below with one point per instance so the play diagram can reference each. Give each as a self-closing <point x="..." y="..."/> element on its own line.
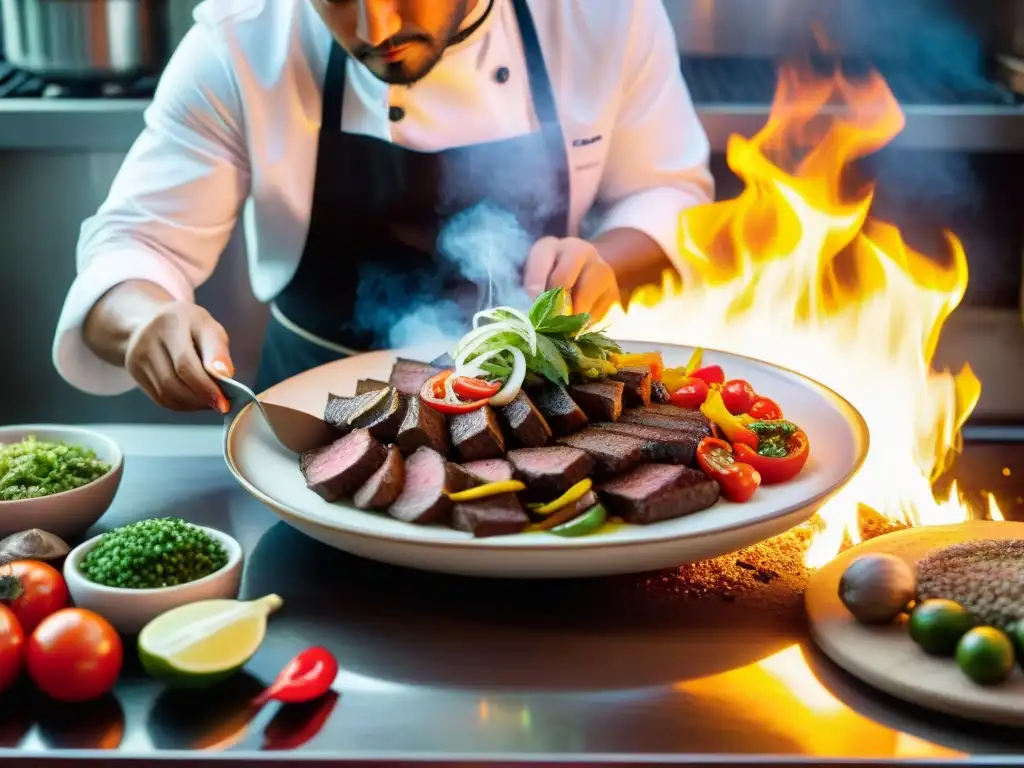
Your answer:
<point x="18" y="84"/>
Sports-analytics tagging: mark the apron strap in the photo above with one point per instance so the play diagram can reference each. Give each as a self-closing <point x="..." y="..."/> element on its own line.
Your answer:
<point x="540" y="82"/>
<point x="334" y="87"/>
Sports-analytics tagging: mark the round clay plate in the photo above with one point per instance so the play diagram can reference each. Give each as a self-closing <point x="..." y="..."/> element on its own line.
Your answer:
<point x="837" y="433"/>
<point x="885" y="657"/>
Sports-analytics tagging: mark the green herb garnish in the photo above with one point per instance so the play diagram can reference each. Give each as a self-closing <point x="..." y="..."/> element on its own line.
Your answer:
<point x="33" y="468"/>
<point x="773" y="437"/>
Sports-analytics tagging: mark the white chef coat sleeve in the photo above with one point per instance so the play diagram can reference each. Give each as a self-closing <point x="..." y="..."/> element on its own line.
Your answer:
<point x="657" y="164"/>
<point x="172" y="206"/>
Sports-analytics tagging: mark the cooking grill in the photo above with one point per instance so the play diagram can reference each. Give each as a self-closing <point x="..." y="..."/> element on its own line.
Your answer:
<point x="18" y="84"/>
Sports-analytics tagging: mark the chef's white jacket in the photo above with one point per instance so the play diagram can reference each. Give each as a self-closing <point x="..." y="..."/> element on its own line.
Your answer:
<point x="233" y="126"/>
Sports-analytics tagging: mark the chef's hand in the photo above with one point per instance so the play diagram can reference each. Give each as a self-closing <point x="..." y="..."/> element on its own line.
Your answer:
<point x="577" y="266"/>
<point x="170" y="354"/>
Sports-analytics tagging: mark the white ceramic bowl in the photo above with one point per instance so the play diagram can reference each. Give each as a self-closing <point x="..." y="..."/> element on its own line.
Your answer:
<point x="129" y="610"/>
<point x="68" y="514"/>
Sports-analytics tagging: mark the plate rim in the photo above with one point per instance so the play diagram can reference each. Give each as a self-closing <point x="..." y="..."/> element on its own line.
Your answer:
<point x="860" y="428"/>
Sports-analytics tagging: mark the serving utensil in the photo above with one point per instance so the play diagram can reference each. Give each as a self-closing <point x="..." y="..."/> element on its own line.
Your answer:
<point x="296" y="430"/>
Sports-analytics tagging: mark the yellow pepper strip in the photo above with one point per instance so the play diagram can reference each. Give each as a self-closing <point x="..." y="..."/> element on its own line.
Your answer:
<point x="695" y="361"/>
<point x="674" y="378"/>
<point x="487" y="490"/>
<point x="733" y="429"/>
<point x="571" y="496"/>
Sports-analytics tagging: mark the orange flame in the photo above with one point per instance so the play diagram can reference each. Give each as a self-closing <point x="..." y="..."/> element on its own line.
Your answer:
<point x="795" y="272"/>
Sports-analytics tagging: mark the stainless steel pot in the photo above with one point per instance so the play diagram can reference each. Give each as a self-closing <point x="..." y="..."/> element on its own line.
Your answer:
<point x="90" y="40"/>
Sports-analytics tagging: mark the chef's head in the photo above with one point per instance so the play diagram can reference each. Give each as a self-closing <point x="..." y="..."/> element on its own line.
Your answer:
<point x="400" y="41"/>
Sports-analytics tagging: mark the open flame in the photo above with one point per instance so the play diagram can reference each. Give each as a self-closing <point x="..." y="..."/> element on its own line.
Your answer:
<point x="795" y="272"/>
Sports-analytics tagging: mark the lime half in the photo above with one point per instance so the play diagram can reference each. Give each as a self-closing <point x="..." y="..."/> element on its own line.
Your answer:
<point x="200" y="644"/>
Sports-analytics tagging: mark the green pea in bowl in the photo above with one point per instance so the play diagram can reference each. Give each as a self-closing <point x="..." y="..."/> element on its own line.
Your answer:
<point x="57" y="478"/>
<point x="129" y="609"/>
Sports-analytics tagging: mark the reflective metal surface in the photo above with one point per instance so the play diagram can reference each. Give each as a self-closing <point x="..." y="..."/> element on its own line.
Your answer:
<point x="458" y="671"/>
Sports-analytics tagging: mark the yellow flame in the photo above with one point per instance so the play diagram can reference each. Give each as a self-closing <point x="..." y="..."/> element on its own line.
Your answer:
<point x="795" y="272"/>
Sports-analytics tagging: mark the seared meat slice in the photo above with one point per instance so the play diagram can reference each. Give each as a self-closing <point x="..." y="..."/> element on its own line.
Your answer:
<point x="493" y="516"/>
<point x="600" y="400"/>
<point x="567" y="513"/>
<point x="550" y="472"/>
<point x="560" y="410"/>
<point x="384" y="485"/>
<point x="659" y="392"/>
<point x="383" y="417"/>
<point x="477" y="435"/>
<point x="340" y="410"/>
<point x="428" y="481"/>
<point x="654" y="492"/>
<point x="370" y="385"/>
<point x="341" y="468"/>
<point x="422" y="426"/>
<point x="675" y="412"/>
<point x="489" y="470"/>
<point x="611" y="452"/>
<point x="409" y="376"/>
<point x="461" y="479"/>
<point x="637" y="379"/>
<point x="669" y="446"/>
<point x="526" y="423"/>
<point x="652" y="419"/>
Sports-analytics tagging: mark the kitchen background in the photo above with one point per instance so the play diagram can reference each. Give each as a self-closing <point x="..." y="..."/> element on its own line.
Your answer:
<point x="78" y="73"/>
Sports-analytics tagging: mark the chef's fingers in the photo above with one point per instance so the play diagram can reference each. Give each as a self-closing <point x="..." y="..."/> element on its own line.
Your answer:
<point x="604" y="304"/>
<point x="569" y="264"/>
<point x="539" y="265"/>
<point x="158" y="379"/>
<point x="212" y="341"/>
<point x="593" y="282"/>
<point x="189" y="369"/>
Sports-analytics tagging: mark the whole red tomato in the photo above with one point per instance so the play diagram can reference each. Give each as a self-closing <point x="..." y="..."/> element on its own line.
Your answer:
<point x="43" y="592"/>
<point x="738" y="396"/>
<point x="74" y="655"/>
<point x="691" y="394"/>
<point x="12" y="648"/>
<point x="765" y="409"/>
<point x="712" y="374"/>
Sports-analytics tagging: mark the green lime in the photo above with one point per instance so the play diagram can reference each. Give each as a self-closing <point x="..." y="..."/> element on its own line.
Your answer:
<point x="585" y="524"/>
<point x="199" y="644"/>
<point x="937" y="626"/>
<point x="985" y="655"/>
<point x="1016" y="634"/>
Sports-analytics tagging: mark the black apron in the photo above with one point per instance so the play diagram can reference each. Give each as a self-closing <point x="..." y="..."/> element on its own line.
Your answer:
<point x="378" y="210"/>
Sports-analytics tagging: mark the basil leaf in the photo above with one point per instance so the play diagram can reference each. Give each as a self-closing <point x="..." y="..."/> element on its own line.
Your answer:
<point x="497" y="369"/>
<point x="546" y="306"/>
<point x="599" y="342"/>
<point x="567" y="324"/>
<point x="548" y="361"/>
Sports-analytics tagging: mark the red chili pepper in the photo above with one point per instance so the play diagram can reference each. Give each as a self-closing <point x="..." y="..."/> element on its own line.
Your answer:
<point x="765" y="409"/>
<point x="690" y="394"/>
<point x="475" y="389"/>
<point x="738" y="396"/>
<point x="739" y="481"/>
<point x="433" y="394"/>
<point x="777" y="469"/>
<point x="306" y="677"/>
<point x="295" y="725"/>
<point x="712" y="374"/>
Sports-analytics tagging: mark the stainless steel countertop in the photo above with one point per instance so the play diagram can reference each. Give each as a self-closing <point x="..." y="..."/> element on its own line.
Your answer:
<point x="457" y="671"/>
<point x="112" y="125"/>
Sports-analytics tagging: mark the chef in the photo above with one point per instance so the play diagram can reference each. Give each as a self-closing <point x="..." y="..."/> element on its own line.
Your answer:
<point x="354" y="132"/>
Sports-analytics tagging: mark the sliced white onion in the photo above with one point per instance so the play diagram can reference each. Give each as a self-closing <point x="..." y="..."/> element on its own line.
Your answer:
<point x="515" y="380"/>
<point x="473" y="370"/>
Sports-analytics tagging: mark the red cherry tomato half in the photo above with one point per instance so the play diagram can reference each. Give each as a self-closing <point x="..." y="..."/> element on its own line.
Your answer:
<point x="691" y="394"/>
<point x="43" y="592"/>
<point x="738" y="396"/>
<point x="764" y="409"/>
<point x="74" y="655"/>
<point x="12" y="648"/>
<point x="712" y="374"/>
<point x="475" y="389"/>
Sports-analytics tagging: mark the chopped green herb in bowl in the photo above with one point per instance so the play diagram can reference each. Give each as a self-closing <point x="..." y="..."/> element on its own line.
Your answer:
<point x="33" y="468"/>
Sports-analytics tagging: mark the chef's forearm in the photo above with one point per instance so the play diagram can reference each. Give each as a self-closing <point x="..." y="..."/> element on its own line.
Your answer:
<point x="110" y="323"/>
<point x="636" y="258"/>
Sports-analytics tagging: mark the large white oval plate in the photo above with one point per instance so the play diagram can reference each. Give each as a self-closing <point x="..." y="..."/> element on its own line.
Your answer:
<point x="837" y="433"/>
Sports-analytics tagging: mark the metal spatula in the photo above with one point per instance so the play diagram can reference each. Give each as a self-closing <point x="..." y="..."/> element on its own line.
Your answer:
<point x="297" y="431"/>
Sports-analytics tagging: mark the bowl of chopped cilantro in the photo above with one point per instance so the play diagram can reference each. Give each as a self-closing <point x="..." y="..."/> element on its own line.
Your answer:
<point x="132" y="574"/>
<point x="57" y="478"/>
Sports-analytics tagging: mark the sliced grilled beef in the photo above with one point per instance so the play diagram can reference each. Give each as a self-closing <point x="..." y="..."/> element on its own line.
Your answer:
<point x="385" y="484"/>
<point x="669" y="446"/>
<point x="477" y="435"/>
<point x="549" y="472"/>
<point x="560" y="410"/>
<point x="600" y="400"/>
<point x="493" y="516"/>
<point x="637" y="379"/>
<point x="460" y="478"/>
<point x="527" y="424"/>
<point x="422" y="427"/>
<point x="383" y="417"/>
<point x="659" y="392"/>
<point x="409" y="376"/>
<point x="340" y="410"/>
<point x="652" y="419"/>
<point x="428" y="481"/>
<point x="611" y="452"/>
<point x="567" y="513"/>
<point x="677" y="413"/>
<point x="654" y="492"/>
<point x="341" y="468"/>
<point x="370" y="385"/>
<point x="489" y="470"/>
<point x="444" y="361"/>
